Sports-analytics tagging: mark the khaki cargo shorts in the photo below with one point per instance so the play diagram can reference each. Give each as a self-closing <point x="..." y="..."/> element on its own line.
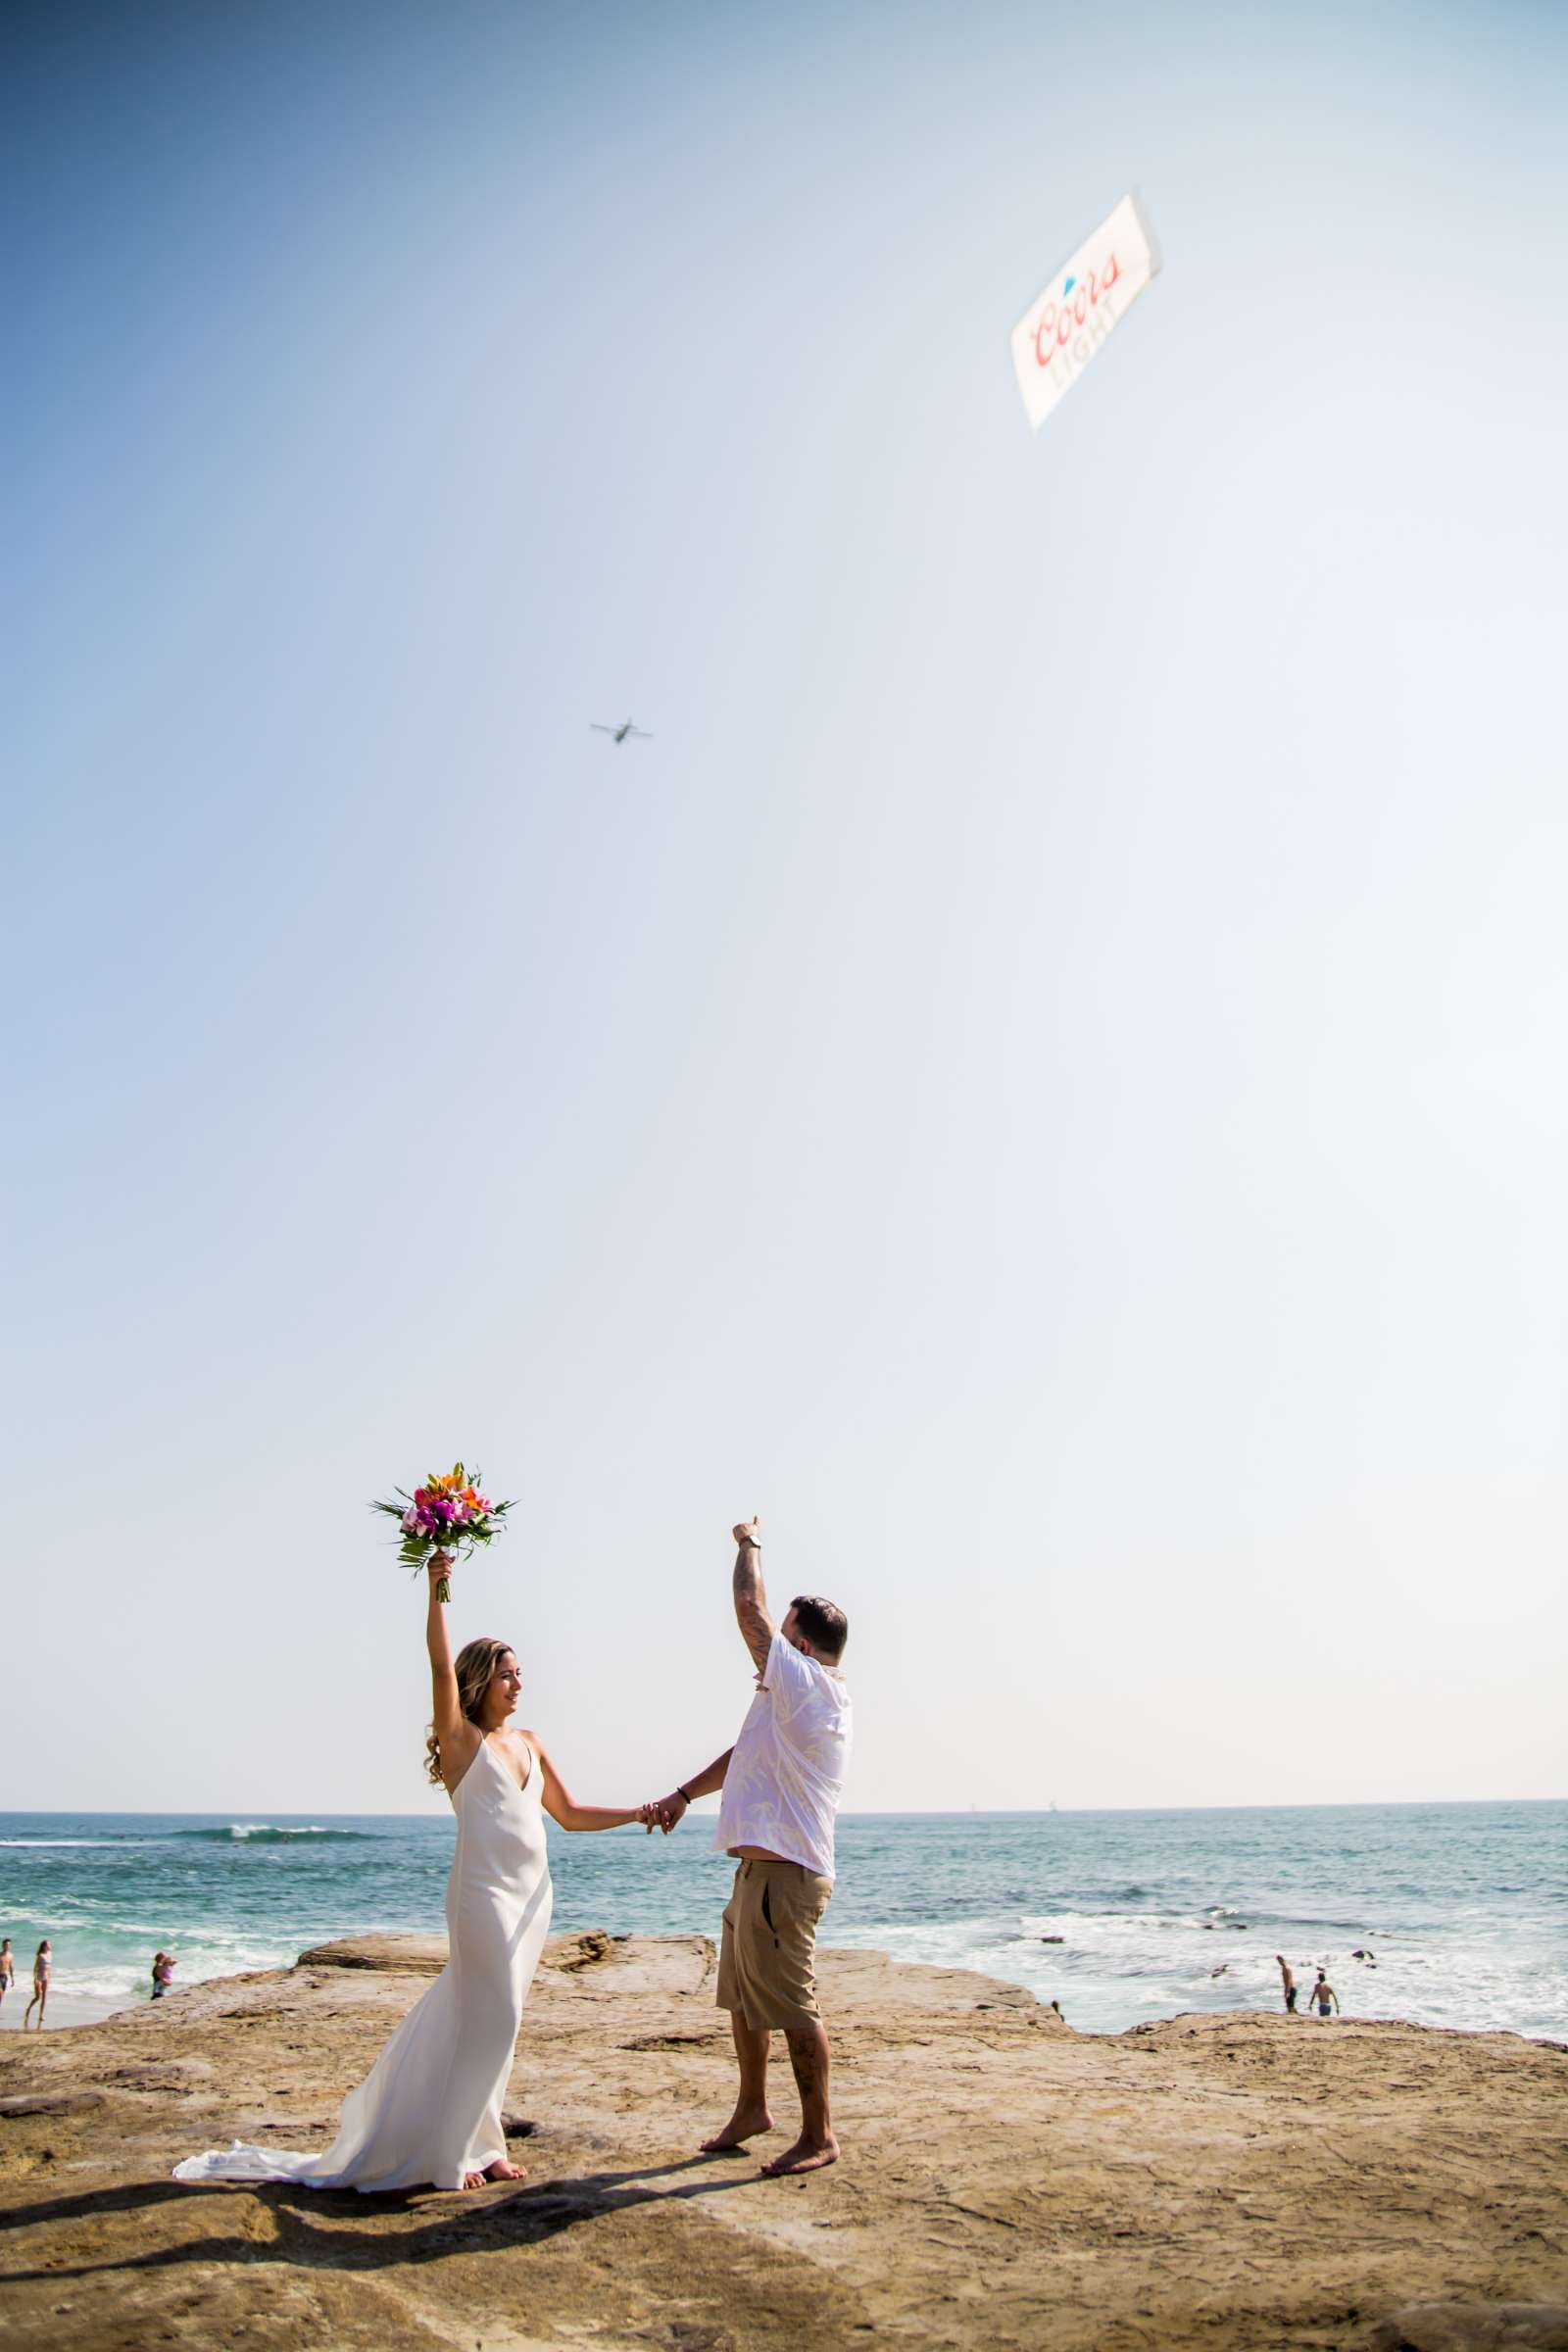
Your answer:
<point x="768" y="1961"/>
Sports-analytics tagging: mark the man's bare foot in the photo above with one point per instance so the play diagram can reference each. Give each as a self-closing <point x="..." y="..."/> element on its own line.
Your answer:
<point x="743" y="2124"/>
<point x="501" y="2170"/>
<point x="806" y="2156"/>
<point x="473" y="2180"/>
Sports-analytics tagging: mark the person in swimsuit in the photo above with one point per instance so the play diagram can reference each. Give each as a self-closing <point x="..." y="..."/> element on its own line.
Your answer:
<point x="8" y="1966"/>
<point x="1322" y="1994"/>
<point x="162" y="1975"/>
<point x="1289" y="1981"/>
<point x="42" y="1963"/>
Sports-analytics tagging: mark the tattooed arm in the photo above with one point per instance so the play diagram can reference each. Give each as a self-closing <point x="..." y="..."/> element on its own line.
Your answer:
<point x="751" y="1601"/>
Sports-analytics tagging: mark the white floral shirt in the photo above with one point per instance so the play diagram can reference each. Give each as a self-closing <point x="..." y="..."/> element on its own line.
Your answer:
<point x="786" y="1774"/>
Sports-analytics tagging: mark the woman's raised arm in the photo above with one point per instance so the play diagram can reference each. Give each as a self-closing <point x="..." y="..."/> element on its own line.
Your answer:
<point x="563" y="1808"/>
<point x="450" y="1721"/>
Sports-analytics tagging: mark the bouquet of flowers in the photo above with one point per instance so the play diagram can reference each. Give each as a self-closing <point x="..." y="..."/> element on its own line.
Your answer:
<point x="445" y="1514"/>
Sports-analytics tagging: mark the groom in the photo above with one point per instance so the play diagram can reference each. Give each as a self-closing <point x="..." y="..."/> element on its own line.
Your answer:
<point x="782" y="1781"/>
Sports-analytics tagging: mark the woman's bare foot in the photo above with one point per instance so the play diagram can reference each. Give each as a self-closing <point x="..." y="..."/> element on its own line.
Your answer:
<point x="806" y="2156"/>
<point x="743" y="2124"/>
<point x="501" y="2170"/>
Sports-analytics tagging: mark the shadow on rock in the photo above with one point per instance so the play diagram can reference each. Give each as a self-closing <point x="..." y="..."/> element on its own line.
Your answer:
<point x="318" y="2229"/>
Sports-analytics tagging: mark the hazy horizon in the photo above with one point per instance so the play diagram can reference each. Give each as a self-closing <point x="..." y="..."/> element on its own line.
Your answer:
<point x="706" y="1810"/>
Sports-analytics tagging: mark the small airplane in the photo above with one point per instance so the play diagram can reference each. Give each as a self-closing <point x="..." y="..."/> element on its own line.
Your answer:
<point x="622" y="732"/>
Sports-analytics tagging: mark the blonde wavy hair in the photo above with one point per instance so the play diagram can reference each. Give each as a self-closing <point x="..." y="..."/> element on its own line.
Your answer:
<point x="475" y="1669"/>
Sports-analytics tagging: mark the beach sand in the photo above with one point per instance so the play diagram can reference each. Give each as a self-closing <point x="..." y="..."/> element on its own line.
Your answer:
<point x="1224" y="2182"/>
<point x="65" y="2009"/>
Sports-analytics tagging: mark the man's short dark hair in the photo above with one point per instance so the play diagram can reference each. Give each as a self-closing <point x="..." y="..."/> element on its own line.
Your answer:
<point x="825" y="1626"/>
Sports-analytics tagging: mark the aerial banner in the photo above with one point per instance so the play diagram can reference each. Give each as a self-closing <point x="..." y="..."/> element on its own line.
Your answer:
<point x="1063" y="327"/>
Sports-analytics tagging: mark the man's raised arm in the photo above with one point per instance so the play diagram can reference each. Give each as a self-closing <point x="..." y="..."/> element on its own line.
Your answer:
<point x="757" y="1632"/>
<point x="751" y="1601"/>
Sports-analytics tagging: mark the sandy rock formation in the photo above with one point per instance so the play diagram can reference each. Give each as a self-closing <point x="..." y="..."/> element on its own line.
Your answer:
<point x="1243" y="2182"/>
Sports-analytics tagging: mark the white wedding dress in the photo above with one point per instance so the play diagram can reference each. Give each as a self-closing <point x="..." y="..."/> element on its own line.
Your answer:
<point x="429" y="2109"/>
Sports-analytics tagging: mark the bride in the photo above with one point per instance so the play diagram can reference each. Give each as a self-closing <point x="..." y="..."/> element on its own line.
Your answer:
<point x="429" y="2110"/>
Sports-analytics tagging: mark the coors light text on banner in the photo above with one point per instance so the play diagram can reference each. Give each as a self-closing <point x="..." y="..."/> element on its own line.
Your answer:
<point x="1063" y="327"/>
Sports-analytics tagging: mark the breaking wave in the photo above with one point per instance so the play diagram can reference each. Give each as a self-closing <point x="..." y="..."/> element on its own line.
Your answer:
<point x="263" y="1833"/>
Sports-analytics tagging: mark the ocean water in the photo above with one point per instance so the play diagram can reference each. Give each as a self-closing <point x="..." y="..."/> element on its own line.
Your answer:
<point x="1463" y="1909"/>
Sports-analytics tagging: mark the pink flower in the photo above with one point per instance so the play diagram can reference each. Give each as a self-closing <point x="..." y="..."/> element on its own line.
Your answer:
<point x="410" y="1521"/>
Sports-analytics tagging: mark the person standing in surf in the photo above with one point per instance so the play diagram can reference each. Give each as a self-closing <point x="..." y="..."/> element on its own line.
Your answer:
<point x="1322" y="1994"/>
<point x="429" y="2110"/>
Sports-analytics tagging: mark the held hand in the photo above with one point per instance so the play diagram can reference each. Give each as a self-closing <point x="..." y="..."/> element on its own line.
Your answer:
<point x="439" y="1567"/>
<point x="749" y="1531"/>
<point x="663" y="1813"/>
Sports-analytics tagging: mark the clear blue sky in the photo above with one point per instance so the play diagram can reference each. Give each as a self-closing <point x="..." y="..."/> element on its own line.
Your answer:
<point x="1046" y="1076"/>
